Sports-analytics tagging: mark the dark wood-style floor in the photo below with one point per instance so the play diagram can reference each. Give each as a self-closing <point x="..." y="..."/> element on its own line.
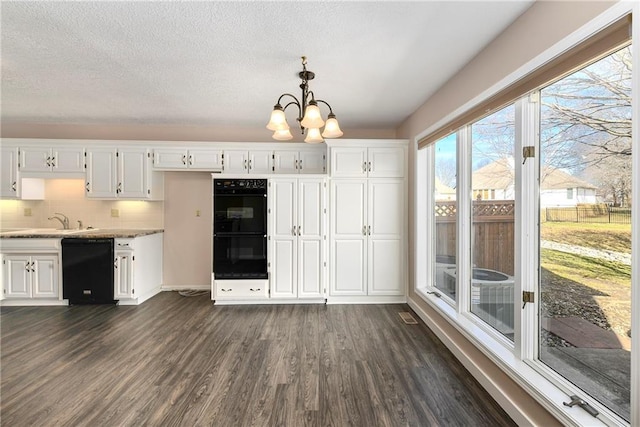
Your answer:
<point x="182" y="361"/>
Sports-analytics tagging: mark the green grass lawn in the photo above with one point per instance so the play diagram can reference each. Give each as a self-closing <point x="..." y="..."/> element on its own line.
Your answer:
<point x="579" y="267"/>
<point x="612" y="237"/>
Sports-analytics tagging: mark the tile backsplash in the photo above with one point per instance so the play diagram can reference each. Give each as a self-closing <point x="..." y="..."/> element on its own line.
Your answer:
<point x="67" y="196"/>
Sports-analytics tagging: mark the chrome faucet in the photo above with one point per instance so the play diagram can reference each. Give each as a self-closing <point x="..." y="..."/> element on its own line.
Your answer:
<point x="64" y="220"/>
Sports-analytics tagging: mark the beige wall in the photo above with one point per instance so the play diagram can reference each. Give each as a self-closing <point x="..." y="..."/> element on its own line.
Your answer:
<point x="539" y="28"/>
<point x="188" y="237"/>
<point x="151" y="132"/>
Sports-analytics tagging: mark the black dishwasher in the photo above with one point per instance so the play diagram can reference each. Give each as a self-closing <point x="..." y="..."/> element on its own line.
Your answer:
<point x="87" y="271"/>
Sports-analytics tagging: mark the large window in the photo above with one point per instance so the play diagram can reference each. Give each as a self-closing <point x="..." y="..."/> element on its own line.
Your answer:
<point x="528" y="237"/>
<point x="445" y="208"/>
<point x="493" y="220"/>
<point x="585" y="239"/>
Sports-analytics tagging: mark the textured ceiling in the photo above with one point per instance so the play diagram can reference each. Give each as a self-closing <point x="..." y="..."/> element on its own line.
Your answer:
<point x="226" y="63"/>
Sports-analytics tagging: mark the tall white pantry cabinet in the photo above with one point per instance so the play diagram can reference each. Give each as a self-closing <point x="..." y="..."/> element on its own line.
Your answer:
<point x="296" y="238"/>
<point x="367" y="224"/>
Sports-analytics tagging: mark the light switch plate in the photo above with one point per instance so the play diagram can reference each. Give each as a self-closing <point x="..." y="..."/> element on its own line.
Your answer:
<point x="27" y="211"/>
<point x="115" y="213"/>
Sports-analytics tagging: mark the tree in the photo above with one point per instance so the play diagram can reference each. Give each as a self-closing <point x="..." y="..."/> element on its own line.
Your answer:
<point x="586" y="124"/>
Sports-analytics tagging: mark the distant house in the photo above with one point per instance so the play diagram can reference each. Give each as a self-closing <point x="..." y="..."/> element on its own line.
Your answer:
<point x="495" y="182"/>
<point x="444" y="192"/>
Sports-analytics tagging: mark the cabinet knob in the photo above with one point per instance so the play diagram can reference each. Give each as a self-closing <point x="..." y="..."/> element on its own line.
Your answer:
<point x="300" y="164"/>
<point x="190" y="160"/>
<point x="299" y="230"/>
<point x="293" y="230"/>
<point x="295" y="164"/>
<point x="13" y="186"/>
<point x="369" y="166"/>
<point x="369" y="230"/>
<point x="184" y="159"/>
<point x="245" y="164"/>
<point x="364" y="230"/>
<point x="53" y="161"/>
<point x="254" y="290"/>
<point x="364" y="167"/>
<point x="250" y="164"/>
<point x="86" y="187"/>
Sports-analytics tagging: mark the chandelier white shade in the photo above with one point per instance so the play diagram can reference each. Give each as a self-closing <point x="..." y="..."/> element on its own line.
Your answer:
<point x="282" y="135"/>
<point x="309" y="114"/>
<point x="313" y="136"/>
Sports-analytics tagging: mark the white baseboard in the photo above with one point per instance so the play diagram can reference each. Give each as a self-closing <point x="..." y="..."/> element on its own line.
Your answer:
<point x="185" y="288"/>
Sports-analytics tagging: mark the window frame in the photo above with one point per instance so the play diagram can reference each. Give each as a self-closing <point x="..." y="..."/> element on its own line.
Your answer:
<point x="518" y="360"/>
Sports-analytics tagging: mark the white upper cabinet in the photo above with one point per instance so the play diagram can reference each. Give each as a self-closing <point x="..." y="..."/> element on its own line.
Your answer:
<point x="9" y="182"/>
<point x="299" y="161"/>
<point x="378" y="161"/>
<point x="194" y="158"/>
<point x="121" y="173"/>
<point x="47" y="159"/>
<point x="248" y="161"/>
<point x="101" y="181"/>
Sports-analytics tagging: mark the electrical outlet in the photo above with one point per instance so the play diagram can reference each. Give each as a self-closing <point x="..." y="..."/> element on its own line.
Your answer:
<point x="198" y="212"/>
<point x="115" y="213"/>
<point x="27" y="211"/>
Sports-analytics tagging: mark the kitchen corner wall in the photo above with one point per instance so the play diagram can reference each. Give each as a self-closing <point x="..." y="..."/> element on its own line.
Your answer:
<point x="67" y="196"/>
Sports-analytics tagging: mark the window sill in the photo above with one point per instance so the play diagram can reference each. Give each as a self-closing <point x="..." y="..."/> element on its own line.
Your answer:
<point x="503" y="356"/>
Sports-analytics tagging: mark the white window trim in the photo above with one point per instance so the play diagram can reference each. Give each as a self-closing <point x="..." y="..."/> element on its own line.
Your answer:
<point x="516" y="361"/>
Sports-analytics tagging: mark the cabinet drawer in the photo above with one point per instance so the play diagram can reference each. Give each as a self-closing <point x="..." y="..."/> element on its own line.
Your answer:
<point x="241" y="289"/>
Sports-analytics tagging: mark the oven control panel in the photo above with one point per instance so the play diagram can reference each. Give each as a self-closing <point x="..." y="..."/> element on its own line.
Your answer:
<point x="239" y="184"/>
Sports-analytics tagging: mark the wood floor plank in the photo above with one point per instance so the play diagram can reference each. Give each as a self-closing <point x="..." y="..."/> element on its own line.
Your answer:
<point x="182" y="361"/>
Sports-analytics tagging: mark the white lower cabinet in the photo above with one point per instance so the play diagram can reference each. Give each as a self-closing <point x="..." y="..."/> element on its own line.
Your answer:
<point x="123" y="270"/>
<point x="296" y="219"/>
<point x="367" y="237"/>
<point x="30" y="275"/>
<point x="137" y="268"/>
<point x="33" y="276"/>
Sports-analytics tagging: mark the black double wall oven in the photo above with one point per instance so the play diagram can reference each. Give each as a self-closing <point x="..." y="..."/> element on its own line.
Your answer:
<point x="240" y="229"/>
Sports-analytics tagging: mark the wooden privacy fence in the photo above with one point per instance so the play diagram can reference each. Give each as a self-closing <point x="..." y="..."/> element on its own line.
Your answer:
<point x="493" y="233"/>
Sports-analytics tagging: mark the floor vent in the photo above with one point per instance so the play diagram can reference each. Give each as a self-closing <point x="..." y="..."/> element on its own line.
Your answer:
<point x="407" y="318"/>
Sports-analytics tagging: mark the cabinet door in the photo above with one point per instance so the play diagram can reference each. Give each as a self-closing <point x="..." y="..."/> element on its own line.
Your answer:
<point x="285" y="161"/>
<point x="385" y="231"/>
<point x="123" y="275"/>
<point x="45" y="276"/>
<point x="204" y="159"/>
<point x="17" y="276"/>
<point x="310" y="248"/>
<point x="67" y="159"/>
<point x="9" y="173"/>
<point x="133" y="173"/>
<point x="236" y="161"/>
<point x="260" y="161"/>
<point x="311" y="161"/>
<point x="35" y="159"/>
<point x="386" y="162"/>
<point x="102" y="179"/>
<point x="348" y="237"/>
<point x="348" y="162"/>
<point x="169" y="158"/>
<point x="283" y="232"/>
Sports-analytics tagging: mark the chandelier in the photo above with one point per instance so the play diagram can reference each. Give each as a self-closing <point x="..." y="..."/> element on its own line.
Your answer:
<point x="309" y="116"/>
